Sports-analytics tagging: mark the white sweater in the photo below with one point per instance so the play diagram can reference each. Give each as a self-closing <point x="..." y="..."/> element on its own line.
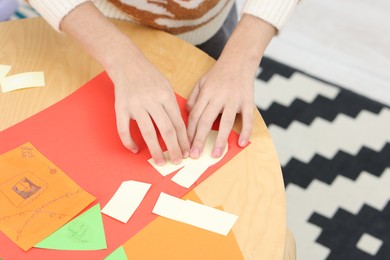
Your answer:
<point x="195" y="21"/>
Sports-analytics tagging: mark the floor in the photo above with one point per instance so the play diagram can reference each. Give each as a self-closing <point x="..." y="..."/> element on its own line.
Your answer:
<point x="346" y="42"/>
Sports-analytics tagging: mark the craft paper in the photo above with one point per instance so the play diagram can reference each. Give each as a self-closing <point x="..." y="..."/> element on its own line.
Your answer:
<point x="195" y="214"/>
<point x="79" y="134"/>
<point x="193" y="169"/>
<point x="208" y="218"/>
<point x="118" y="254"/>
<point x="166" y="239"/>
<point x="85" y="232"/>
<point x="22" y="80"/>
<point x="36" y="197"/>
<point x="169" y="167"/>
<point x="4" y="69"/>
<point x="126" y="200"/>
<point x="189" y="174"/>
<point x="170" y="207"/>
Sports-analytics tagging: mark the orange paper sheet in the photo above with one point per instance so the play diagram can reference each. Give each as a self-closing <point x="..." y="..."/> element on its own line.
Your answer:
<point x="36" y="197"/>
<point x="170" y="239"/>
<point x="79" y="135"/>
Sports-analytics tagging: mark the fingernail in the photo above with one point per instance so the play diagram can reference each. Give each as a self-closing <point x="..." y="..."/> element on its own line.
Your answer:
<point x="177" y="161"/>
<point x="160" y="162"/>
<point x="134" y="150"/>
<point x="243" y="142"/>
<point x="195" y="152"/>
<point x="217" y="152"/>
<point x="186" y="154"/>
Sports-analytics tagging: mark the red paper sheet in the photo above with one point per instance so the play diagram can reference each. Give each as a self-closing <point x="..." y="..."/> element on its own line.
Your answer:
<point x="79" y="135"/>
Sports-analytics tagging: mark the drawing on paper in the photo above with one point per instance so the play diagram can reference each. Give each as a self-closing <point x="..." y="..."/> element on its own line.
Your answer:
<point x="22" y="189"/>
<point x="36" y="197"/>
<point x="52" y="170"/>
<point x="25" y="188"/>
<point x="27" y="152"/>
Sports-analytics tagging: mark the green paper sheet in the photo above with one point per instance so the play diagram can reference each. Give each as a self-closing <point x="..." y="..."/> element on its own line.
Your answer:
<point x="118" y="254"/>
<point x="85" y="232"/>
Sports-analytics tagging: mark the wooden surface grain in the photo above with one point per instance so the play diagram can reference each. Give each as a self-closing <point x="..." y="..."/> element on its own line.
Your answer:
<point x="250" y="185"/>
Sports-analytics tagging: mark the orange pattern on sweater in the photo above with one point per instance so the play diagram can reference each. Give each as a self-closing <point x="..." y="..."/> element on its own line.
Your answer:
<point x="160" y="14"/>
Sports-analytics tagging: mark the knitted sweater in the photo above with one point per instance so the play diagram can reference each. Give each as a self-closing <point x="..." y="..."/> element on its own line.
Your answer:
<point x="195" y="21"/>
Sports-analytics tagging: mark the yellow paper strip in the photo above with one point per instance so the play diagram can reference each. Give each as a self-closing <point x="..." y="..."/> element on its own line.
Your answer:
<point x="22" y="80"/>
<point x="4" y="69"/>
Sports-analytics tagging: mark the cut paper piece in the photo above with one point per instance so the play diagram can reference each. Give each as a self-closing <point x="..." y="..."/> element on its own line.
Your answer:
<point x="22" y="80"/>
<point x="166" y="239"/>
<point x="189" y="174"/>
<point x="4" y="69"/>
<point x="191" y="169"/>
<point x="170" y="207"/>
<point x="126" y="200"/>
<point x="85" y="232"/>
<point x="208" y="218"/>
<point x="118" y="254"/>
<point x="169" y="167"/>
<point x="79" y="134"/>
<point x="195" y="214"/>
<point x="36" y="197"/>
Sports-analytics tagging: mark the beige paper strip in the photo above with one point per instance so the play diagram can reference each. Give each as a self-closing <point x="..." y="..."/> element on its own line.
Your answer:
<point x="22" y="80"/>
<point x="4" y="69"/>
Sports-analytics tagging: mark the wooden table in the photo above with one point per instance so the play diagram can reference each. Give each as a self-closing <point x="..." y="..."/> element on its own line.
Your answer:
<point x="253" y="189"/>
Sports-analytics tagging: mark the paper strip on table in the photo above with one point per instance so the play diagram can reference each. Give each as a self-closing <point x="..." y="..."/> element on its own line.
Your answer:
<point x="126" y="200"/>
<point x="4" y="69"/>
<point x="195" y="214"/>
<point x="22" y="80"/>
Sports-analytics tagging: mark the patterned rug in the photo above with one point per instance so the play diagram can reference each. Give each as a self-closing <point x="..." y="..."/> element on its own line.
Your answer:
<point x="334" y="149"/>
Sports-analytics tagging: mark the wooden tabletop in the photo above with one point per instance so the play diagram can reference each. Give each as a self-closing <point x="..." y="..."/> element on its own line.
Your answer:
<point x="250" y="185"/>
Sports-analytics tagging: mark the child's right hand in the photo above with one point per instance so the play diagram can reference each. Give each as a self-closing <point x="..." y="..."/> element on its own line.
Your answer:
<point x="142" y="93"/>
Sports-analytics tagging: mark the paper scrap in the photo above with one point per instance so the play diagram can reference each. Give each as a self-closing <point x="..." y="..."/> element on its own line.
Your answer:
<point x="195" y="214"/>
<point x="22" y="80"/>
<point x="170" y="207"/>
<point x="4" y="69"/>
<point x="118" y="254"/>
<point x="126" y="200"/>
<point x="190" y="169"/>
<point x="36" y="197"/>
<point x="189" y="174"/>
<point x="193" y="169"/>
<point x="171" y="239"/>
<point x="209" y="218"/>
<point x="85" y="232"/>
<point x="169" y="167"/>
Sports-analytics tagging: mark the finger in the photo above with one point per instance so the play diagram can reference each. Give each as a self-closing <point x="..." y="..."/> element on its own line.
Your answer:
<point x="168" y="133"/>
<point x="148" y="132"/>
<point x="174" y="114"/>
<point x="203" y="129"/>
<point x="247" y="124"/>
<point x="123" y="128"/>
<point x="193" y="97"/>
<point x="193" y="118"/>
<point x="227" y="121"/>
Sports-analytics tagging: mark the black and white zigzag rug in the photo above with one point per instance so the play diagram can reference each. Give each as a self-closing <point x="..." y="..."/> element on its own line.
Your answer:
<point x="334" y="149"/>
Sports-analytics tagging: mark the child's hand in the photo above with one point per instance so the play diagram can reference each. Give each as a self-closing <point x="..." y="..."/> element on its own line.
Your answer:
<point x="225" y="90"/>
<point x="142" y="93"/>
